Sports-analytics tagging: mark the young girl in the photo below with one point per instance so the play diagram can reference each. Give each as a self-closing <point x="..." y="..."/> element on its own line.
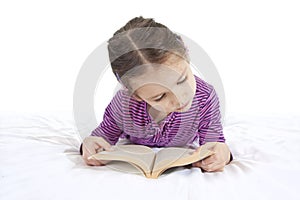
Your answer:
<point x="162" y="103"/>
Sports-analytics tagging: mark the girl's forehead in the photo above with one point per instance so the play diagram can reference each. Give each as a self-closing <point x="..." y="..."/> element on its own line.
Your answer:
<point x="168" y="67"/>
<point x="149" y="90"/>
<point x="160" y="75"/>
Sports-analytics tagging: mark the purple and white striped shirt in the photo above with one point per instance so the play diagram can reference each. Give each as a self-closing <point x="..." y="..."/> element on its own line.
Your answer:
<point x="126" y="117"/>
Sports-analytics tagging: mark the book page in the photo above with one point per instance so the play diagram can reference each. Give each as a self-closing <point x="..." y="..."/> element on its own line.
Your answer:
<point x="125" y="167"/>
<point x="169" y="155"/>
<point x="177" y="156"/>
<point x="141" y="156"/>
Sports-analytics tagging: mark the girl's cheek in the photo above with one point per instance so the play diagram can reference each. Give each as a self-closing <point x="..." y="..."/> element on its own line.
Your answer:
<point x="160" y="107"/>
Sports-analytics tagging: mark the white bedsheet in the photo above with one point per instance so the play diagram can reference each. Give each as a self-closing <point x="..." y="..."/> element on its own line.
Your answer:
<point x="40" y="160"/>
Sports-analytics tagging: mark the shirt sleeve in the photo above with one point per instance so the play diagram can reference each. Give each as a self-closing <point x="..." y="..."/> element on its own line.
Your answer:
<point x="210" y="126"/>
<point x="111" y="126"/>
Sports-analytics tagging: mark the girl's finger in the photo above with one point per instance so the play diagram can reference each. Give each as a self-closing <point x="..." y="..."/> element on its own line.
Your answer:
<point x="88" y="151"/>
<point x="94" y="162"/>
<point x="103" y="143"/>
<point x="196" y="164"/>
<point x="217" y="168"/>
<point x="202" y="163"/>
<point x="213" y="167"/>
<point x="209" y="160"/>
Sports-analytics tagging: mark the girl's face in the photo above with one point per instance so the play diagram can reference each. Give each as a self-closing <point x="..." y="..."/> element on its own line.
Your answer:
<point x="167" y="88"/>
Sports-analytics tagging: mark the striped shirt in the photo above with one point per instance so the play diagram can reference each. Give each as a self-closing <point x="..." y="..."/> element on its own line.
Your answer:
<point x="126" y="117"/>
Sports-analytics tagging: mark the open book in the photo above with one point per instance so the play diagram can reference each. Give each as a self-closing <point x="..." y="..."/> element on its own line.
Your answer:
<point x="152" y="164"/>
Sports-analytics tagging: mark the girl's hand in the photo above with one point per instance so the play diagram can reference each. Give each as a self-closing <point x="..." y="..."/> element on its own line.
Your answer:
<point x="217" y="161"/>
<point x="90" y="146"/>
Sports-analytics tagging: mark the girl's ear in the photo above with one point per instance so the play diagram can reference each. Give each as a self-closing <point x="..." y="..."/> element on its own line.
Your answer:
<point x="137" y="97"/>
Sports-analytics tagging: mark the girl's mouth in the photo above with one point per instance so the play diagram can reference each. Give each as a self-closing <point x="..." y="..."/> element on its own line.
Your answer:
<point x="182" y="107"/>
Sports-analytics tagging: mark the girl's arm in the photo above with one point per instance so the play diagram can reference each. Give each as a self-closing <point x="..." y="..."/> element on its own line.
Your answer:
<point x="111" y="126"/>
<point x="210" y="126"/>
<point x="211" y="130"/>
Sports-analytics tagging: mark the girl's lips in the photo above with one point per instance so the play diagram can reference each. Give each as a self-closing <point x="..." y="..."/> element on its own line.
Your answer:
<point x="183" y="106"/>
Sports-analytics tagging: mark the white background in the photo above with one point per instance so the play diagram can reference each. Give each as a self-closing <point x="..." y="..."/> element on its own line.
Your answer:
<point x="255" y="46"/>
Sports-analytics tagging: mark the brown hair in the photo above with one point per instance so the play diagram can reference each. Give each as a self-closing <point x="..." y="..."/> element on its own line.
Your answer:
<point x="143" y="41"/>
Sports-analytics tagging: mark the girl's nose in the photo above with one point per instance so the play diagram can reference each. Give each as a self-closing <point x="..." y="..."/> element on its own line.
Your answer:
<point x="174" y="103"/>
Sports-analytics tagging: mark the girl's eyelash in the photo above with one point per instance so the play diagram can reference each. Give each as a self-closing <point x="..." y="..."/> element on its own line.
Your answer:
<point x="162" y="96"/>
<point x="185" y="78"/>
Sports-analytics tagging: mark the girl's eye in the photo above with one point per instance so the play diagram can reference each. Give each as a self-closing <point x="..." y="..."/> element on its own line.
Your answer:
<point x="161" y="97"/>
<point x="185" y="78"/>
